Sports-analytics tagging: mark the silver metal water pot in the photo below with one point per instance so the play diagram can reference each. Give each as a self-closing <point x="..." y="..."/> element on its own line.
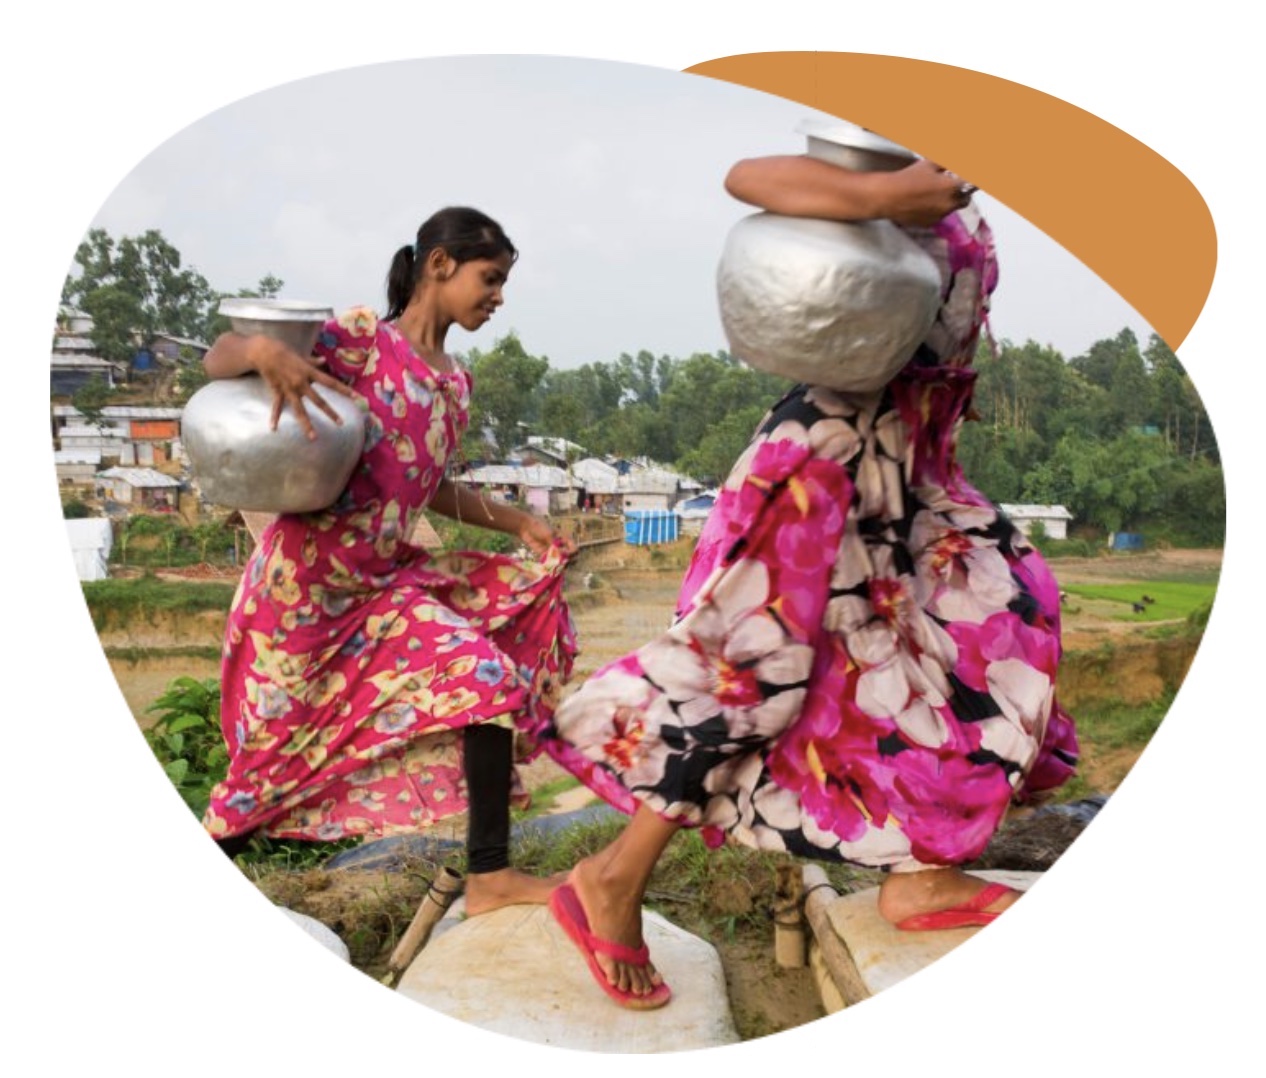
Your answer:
<point x="832" y="303"/>
<point x="237" y="460"/>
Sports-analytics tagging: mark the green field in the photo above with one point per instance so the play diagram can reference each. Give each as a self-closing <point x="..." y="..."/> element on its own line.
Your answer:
<point x="1171" y="599"/>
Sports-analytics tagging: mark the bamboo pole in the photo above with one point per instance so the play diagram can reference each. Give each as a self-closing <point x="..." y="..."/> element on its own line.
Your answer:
<point x="841" y="968"/>
<point x="444" y="889"/>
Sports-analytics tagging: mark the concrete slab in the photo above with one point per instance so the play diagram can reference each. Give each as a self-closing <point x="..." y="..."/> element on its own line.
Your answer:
<point x="881" y="955"/>
<point x="515" y="972"/>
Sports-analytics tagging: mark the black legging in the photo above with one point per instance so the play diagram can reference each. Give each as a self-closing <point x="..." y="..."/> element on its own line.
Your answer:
<point x="488" y="754"/>
<point x="488" y="757"/>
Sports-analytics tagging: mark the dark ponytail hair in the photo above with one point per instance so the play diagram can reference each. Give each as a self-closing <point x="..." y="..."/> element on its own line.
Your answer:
<point x="464" y="235"/>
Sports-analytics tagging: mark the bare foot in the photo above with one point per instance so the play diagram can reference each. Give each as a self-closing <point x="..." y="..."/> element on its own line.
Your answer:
<point x="488" y="891"/>
<point x="906" y="894"/>
<point x="613" y="906"/>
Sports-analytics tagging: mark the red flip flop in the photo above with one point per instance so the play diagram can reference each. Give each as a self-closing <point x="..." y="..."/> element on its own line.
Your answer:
<point x="969" y="914"/>
<point x="565" y="906"/>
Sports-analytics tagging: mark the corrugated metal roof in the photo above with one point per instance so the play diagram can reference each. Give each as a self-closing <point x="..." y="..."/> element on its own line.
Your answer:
<point x="555" y="447"/>
<point x="593" y="468"/>
<point x="517" y="475"/>
<point x="61" y="361"/>
<point x="76" y="456"/>
<point x="109" y="433"/>
<point x="140" y="477"/>
<point x="120" y="411"/>
<point x="1053" y="512"/>
<point x="202" y="345"/>
<point x="649" y="481"/>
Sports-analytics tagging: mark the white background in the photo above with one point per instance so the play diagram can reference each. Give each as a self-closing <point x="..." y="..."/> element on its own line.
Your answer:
<point x="132" y="944"/>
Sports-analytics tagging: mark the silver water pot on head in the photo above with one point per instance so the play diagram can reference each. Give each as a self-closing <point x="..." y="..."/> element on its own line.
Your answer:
<point x="831" y="303"/>
<point x="241" y="463"/>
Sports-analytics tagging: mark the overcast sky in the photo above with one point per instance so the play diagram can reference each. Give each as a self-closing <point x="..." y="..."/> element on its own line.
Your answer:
<point x="607" y="176"/>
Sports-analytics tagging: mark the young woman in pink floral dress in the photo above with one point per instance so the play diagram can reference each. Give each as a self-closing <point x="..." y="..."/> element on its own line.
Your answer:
<point x="370" y="687"/>
<point x="863" y="659"/>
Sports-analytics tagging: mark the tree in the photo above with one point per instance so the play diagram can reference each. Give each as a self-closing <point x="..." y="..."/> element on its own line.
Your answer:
<point x="115" y="314"/>
<point x="269" y="287"/>
<point x="703" y="390"/>
<point x="1179" y="410"/>
<point x="1110" y="484"/>
<point x="190" y="378"/>
<point x="711" y="460"/>
<point x="135" y="288"/>
<point x="505" y="379"/>
<point x="91" y="397"/>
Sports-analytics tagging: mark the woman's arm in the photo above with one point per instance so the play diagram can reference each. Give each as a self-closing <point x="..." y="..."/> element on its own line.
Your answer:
<point x="458" y="502"/>
<point x="291" y="377"/>
<point x="918" y="195"/>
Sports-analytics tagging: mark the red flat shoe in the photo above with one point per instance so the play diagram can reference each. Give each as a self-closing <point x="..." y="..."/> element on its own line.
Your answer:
<point x="969" y="914"/>
<point x="564" y="905"/>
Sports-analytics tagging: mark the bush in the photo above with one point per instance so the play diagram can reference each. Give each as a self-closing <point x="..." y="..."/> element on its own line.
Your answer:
<point x="187" y="742"/>
<point x="150" y="540"/>
<point x="186" y="739"/>
<point x="1198" y="619"/>
<point x="463" y="536"/>
<point x="1066" y="548"/>
<point x="74" y="509"/>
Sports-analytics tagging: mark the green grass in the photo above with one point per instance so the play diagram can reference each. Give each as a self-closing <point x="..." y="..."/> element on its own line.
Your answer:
<point x="1107" y="728"/>
<point x="134" y="655"/>
<point x="715" y="893"/>
<point x="115" y="601"/>
<point x="1121" y="726"/>
<point x="1174" y="599"/>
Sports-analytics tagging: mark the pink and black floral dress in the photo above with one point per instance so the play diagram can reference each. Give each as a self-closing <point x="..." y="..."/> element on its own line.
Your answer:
<point x="352" y="659"/>
<point x="862" y="664"/>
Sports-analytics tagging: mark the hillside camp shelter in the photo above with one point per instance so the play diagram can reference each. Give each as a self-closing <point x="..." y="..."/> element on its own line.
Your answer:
<point x="645" y="489"/>
<point x="71" y="371"/>
<point x="693" y="512"/>
<point x="90" y="541"/>
<point x="1054" y="518"/>
<point x="140" y="487"/>
<point x="124" y="434"/>
<point x="598" y="481"/>
<point x="77" y="467"/>
<point x="542" y="488"/>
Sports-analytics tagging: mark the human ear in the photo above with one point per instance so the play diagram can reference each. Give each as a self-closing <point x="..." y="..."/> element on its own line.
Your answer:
<point x="440" y="264"/>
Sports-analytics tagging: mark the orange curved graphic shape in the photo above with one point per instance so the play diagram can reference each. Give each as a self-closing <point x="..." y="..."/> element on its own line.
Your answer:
<point x="1118" y="206"/>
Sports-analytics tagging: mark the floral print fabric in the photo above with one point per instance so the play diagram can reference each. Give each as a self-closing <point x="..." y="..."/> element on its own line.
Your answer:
<point x="863" y="658"/>
<point x="352" y="659"/>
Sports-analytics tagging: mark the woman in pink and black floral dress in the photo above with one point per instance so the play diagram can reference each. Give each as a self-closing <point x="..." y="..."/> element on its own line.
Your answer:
<point x="370" y="687"/>
<point x="862" y="663"/>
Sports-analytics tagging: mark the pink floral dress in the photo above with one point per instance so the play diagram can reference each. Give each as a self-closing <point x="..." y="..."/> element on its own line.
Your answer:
<point x="863" y="660"/>
<point x="352" y="659"/>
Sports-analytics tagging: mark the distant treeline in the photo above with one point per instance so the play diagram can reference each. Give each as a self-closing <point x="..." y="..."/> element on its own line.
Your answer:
<point x="1117" y="435"/>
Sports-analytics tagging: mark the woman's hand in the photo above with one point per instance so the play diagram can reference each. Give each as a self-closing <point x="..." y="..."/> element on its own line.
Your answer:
<point x="538" y="536"/>
<point x="920" y="195"/>
<point x="291" y="377"/>
<point x="293" y="380"/>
